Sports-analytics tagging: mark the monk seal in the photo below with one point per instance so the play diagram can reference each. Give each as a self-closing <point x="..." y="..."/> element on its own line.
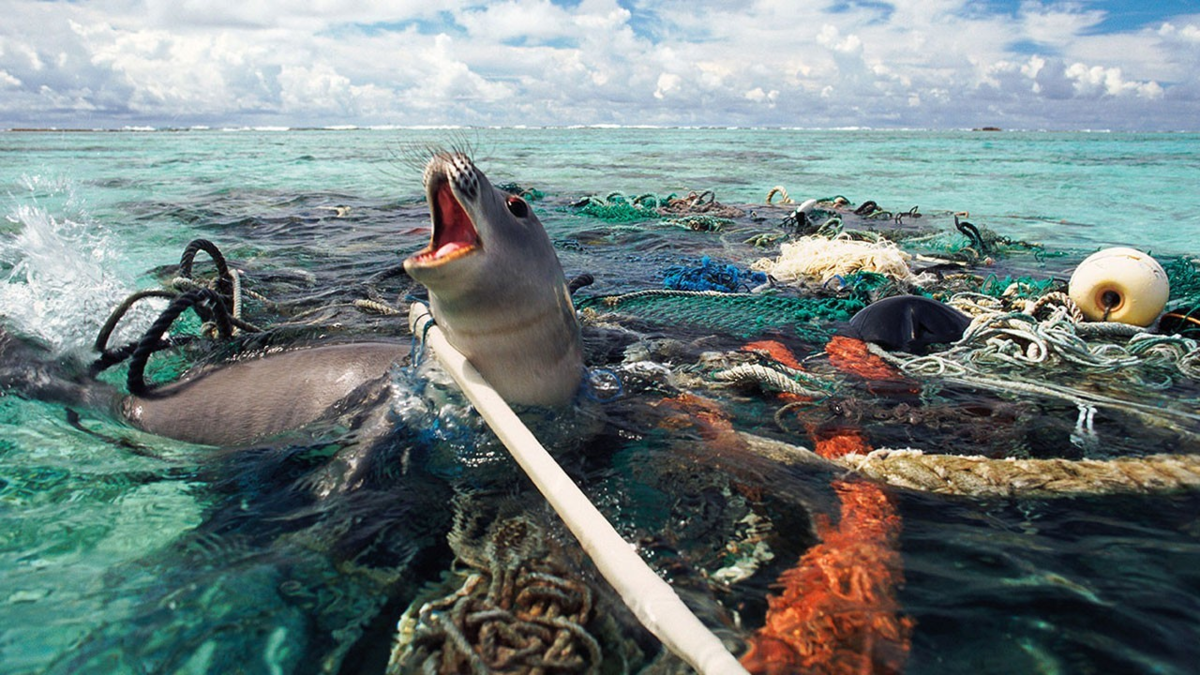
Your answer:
<point x="496" y="286"/>
<point x="496" y="289"/>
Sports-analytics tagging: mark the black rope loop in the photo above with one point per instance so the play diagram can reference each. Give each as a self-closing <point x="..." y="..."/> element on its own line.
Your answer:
<point x="211" y="303"/>
<point x="579" y="282"/>
<point x="971" y="233"/>
<point x="224" y="278"/>
<point x="866" y="208"/>
<point x="101" y="344"/>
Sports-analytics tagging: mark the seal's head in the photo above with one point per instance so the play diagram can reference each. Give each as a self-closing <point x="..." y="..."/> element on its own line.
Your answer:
<point x="496" y="286"/>
<point x="479" y="232"/>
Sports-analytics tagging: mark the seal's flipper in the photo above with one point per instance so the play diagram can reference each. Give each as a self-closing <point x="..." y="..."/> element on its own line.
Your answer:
<point x="908" y="323"/>
<point x="30" y="371"/>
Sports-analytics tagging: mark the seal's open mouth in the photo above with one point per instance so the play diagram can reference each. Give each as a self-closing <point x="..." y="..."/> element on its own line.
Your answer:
<point x="454" y="235"/>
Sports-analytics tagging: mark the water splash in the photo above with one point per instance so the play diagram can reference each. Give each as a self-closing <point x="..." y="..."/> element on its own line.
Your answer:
<point x="61" y="272"/>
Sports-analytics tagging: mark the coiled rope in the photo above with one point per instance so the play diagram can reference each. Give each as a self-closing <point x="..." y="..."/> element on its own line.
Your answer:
<point x="203" y="301"/>
<point x="775" y="378"/>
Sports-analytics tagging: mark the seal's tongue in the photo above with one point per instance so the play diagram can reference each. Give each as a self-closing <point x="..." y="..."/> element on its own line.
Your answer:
<point x="453" y="230"/>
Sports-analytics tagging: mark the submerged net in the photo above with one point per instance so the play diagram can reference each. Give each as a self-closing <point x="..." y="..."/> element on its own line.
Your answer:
<point x="739" y="314"/>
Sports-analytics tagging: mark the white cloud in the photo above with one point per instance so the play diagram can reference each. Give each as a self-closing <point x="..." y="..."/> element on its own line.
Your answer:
<point x="910" y="63"/>
<point x="831" y="38"/>
<point x="667" y="83"/>
<point x="759" y="96"/>
<point x="533" y="20"/>
<point x="1056" y="24"/>
<point x="1099" y="81"/>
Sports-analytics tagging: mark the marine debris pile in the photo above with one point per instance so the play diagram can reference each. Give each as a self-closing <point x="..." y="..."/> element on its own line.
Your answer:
<point x="1032" y="336"/>
<point x="519" y="610"/>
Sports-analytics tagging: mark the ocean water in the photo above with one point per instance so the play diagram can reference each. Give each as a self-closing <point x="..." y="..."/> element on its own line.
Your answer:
<point x="125" y="552"/>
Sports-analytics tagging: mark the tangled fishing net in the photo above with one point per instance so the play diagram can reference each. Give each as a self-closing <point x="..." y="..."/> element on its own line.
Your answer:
<point x="711" y="276"/>
<point x="1050" y="331"/>
<point x="1183" y="315"/>
<point x="741" y="314"/>
<point x="700" y="203"/>
<point x="618" y="208"/>
<point x="699" y="223"/>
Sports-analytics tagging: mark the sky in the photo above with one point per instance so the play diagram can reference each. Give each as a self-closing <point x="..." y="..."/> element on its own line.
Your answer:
<point x="941" y="64"/>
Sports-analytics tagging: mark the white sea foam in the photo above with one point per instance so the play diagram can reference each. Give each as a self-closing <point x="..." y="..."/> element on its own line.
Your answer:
<point x="60" y="280"/>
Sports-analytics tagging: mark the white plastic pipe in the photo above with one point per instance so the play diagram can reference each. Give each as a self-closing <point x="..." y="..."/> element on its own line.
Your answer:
<point x="650" y="598"/>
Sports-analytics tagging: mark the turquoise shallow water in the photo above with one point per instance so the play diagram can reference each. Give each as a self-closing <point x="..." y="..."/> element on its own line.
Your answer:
<point x="118" y="546"/>
<point x="1066" y="189"/>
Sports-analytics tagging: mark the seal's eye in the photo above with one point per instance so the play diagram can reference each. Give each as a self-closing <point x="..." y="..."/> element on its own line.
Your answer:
<point x="518" y="207"/>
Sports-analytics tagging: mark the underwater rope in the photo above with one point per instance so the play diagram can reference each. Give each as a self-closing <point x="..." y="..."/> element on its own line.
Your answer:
<point x="647" y="595"/>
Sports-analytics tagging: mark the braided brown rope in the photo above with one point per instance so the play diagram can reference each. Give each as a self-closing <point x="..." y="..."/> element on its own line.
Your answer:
<point x="523" y="614"/>
<point x="985" y="477"/>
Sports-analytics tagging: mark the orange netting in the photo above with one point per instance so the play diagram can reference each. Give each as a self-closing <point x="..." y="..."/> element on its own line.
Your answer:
<point x="775" y="350"/>
<point x="834" y="443"/>
<point x="706" y="416"/>
<point x="838" y="612"/>
<point x="852" y="356"/>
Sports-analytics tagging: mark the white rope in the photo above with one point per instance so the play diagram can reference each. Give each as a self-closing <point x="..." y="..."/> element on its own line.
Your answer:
<point x="650" y="598"/>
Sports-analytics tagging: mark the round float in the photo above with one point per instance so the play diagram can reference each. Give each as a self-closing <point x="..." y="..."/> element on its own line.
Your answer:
<point x="1120" y="284"/>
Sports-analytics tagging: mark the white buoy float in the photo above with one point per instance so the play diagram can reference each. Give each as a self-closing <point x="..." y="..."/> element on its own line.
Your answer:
<point x="1120" y="284"/>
